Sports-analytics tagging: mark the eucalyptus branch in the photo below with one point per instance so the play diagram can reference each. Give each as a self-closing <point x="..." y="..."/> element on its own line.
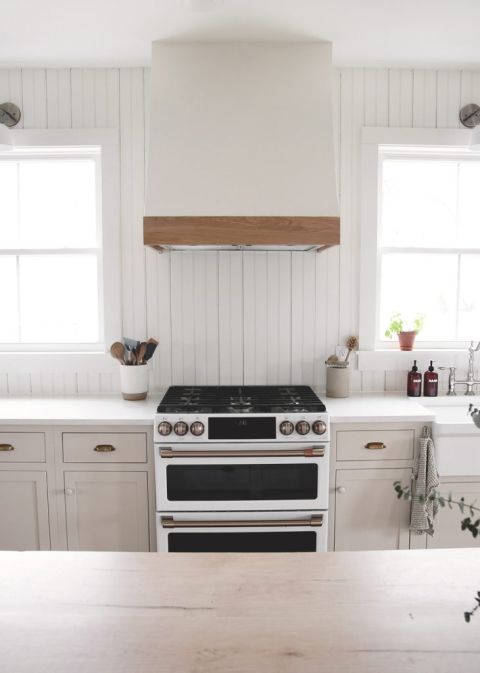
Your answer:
<point x="405" y="493"/>
<point x="468" y="523"/>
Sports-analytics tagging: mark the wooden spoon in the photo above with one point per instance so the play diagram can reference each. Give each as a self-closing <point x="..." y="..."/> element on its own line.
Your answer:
<point x="140" y="352"/>
<point x="117" y="351"/>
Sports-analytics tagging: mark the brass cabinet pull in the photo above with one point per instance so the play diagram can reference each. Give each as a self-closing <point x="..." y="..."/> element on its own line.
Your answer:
<point x="170" y="522"/>
<point x="312" y="452"/>
<point x="7" y="447"/>
<point x="375" y="445"/>
<point x="104" y="448"/>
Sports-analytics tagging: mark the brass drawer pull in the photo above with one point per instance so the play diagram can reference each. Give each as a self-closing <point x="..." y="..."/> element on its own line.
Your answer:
<point x="375" y="445"/>
<point x="312" y="452"/>
<point x="7" y="447"/>
<point x="170" y="522"/>
<point x="104" y="448"/>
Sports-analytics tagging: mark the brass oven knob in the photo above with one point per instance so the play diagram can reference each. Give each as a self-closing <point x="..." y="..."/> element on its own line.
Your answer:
<point x="319" y="427"/>
<point x="181" y="428"/>
<point x="164" y="428"/>
<point x="302" y="427"/>
<point x="197" y="428"/>
<point x="286" y="427"/>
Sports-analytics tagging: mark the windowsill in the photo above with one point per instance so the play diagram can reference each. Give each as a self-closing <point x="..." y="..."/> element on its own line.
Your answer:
<point x="27" y="362"/>
<point x="397" y="360"/>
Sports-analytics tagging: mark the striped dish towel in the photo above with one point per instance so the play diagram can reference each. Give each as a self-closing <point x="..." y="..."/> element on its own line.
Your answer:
<point x="425" y="481"/>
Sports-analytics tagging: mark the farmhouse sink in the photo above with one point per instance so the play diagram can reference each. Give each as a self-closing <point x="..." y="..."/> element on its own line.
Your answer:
<point x="456" y="437"/>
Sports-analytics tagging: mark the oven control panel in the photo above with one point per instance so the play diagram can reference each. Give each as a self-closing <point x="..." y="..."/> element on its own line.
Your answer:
<point x="242" y="427"/>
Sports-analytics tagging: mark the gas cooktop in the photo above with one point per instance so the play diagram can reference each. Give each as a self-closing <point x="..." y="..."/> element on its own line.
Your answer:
<point x="240" y="399"/>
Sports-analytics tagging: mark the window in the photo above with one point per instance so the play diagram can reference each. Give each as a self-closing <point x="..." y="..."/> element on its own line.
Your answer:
<point x="420" y="250"/>
<point x="429" y="241"/>
<point x="55" y="275"/>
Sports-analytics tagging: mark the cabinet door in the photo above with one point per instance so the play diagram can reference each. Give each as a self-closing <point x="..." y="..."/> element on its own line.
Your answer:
<point x="447" y="530"/>
<point x="107" y="511"/>
<point x="368" y="514"/>
<point x="24" y="507"/>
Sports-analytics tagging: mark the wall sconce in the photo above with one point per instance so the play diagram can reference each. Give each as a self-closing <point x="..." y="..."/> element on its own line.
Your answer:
<point x="9" y="116"/>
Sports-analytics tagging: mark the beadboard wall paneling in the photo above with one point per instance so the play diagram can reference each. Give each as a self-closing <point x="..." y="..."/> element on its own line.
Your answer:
<point x="232" y="317"/>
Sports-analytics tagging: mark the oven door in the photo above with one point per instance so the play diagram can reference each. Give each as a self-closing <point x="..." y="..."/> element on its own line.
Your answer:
<point x="246" y="477"/>
<point x="242" y="532"/>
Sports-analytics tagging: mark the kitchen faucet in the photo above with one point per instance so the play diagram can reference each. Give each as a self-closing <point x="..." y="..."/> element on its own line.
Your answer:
<point x="470" y="381"/>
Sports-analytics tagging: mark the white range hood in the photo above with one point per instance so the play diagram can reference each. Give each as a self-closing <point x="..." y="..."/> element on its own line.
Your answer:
<point x="241" y="147"/>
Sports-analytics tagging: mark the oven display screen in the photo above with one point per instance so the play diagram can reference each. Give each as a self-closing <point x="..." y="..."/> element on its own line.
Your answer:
<point x="242" y="428"/>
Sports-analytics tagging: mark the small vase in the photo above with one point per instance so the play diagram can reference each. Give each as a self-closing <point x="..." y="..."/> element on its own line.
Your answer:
<point x="134" y="381"/>
<point x="406" y="340"/>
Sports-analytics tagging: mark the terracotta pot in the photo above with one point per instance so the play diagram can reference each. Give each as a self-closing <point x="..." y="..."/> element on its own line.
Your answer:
<point x="406" y="340"/>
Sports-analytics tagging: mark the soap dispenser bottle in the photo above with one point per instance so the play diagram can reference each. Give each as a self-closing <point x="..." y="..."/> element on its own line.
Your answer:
<point x="430" y="382"/>
<point x="414" y="384"/>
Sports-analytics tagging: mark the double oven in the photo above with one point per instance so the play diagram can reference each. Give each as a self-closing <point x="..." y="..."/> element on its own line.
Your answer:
<point x="241" y="470"/>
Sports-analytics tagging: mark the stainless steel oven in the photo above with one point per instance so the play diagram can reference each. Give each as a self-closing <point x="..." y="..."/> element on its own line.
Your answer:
<point x="286" y="531"/>
<point x="241" y="477"/>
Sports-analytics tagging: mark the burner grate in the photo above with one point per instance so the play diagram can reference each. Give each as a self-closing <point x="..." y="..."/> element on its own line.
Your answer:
<point x="231" y="399"/>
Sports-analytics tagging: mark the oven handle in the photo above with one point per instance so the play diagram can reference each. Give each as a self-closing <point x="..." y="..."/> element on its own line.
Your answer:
<point x="313" y="521"/>
<point x="311" y="452"/>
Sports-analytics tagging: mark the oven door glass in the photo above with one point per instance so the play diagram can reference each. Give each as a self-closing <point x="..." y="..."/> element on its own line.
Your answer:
<point x="242" y="482"/>
<point x="273" y="541"/>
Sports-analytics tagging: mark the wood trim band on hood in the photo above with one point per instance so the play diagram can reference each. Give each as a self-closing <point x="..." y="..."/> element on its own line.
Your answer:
<point x="241" y="230"/>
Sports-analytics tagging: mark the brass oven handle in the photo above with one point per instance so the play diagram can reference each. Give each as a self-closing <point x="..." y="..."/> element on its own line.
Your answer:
<point x="375" y="445"/>
<point x="313" y="521"/>
<point x="312" y="452"/>
<point x="7" y="447"/>
<point x="104" y="448"/>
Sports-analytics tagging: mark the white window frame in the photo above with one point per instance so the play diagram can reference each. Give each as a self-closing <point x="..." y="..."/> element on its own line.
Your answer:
<point x="79" y="357"/>
<point x="388" y="357"/>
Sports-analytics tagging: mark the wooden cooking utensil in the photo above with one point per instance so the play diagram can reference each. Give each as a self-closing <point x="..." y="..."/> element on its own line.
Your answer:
<point x="117" y="351"/>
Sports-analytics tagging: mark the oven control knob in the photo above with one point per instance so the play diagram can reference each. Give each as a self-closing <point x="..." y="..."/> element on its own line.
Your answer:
<point x="181" y="428"/>
<point x="286" y="427"/>
<point x="164" y="428"/>
<point x="319" y="427"/>
<point x="302" y="427"/>
<point x="197" y="428"/>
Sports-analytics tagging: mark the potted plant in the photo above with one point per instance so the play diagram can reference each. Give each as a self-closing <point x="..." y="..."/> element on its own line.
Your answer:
<point x="406" y="332"/>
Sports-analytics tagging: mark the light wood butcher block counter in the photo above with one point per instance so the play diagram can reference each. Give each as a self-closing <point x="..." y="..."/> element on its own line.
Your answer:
<point x="261" y="613"/>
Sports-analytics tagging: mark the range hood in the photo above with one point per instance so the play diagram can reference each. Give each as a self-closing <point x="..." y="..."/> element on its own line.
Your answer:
<point x="241" y="147"/>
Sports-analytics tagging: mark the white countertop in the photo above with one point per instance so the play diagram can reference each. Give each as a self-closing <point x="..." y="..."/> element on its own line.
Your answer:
<point x="377" y="408"/>
<point x="76" y="410"/>
<point x="113" y="410"/>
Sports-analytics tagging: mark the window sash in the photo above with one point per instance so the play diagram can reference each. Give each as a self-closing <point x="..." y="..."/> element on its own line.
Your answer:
<point x="78" y="143"/>
<point x="402" y="143"/>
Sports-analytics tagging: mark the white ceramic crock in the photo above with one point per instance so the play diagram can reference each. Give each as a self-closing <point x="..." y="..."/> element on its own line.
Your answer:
<point x="134" y="381"/>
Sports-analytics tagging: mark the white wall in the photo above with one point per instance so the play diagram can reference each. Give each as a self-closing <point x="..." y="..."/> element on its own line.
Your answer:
<point x="232" y="317"/>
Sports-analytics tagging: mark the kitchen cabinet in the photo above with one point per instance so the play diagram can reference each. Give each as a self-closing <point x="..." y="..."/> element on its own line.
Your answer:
<point x="78" y="487"/>
<point x="367" y="515"/>
<point x="106" y="511"/>
<point x="448" y="533"/>
<point x="366" y="460"/>
<point x="24" y="524"/>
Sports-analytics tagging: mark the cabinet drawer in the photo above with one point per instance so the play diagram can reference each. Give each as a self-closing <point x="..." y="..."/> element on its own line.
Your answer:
<point x="375" y="444"/>
<point x="99" y="447"/>
<point x="22" y="447"/>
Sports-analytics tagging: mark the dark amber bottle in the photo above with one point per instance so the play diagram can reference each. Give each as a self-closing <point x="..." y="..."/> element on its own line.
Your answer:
<point x="430" y="382"/>
<point x="414" y="383"/>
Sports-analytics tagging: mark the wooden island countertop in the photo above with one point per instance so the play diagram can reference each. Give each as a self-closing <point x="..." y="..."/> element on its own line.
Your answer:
<point x="381" y="612"/>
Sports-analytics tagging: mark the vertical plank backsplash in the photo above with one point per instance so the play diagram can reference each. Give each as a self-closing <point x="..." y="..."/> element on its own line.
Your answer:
<point x="232" y="317"/>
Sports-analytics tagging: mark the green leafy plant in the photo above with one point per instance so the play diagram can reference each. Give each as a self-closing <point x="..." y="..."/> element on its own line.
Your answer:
<point x="397" y="324"/>
<point x="470" y="523"/>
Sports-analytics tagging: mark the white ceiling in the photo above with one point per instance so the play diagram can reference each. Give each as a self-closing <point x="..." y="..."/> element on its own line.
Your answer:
<point x="119" y="32"/>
